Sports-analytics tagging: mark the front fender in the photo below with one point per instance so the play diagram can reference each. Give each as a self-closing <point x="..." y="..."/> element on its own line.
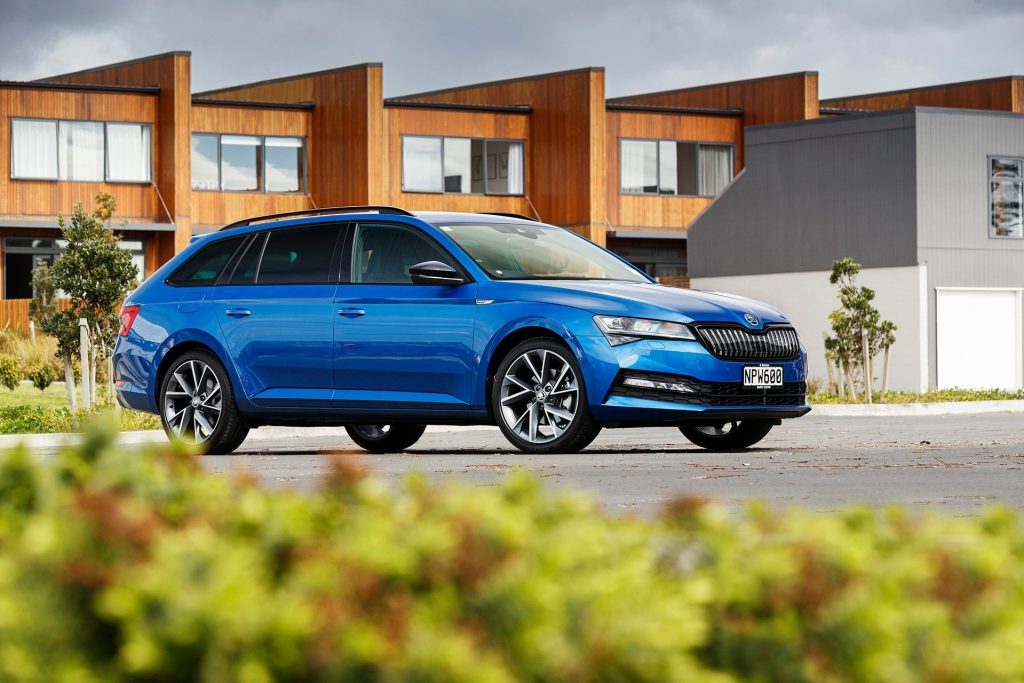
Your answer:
<point x="495" y="322"/>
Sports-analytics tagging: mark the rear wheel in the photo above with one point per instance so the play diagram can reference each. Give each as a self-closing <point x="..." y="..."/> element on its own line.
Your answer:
<point x="732" y="435"/>
<point x="385" y="438"/>
<point x="540" y="401"/>
<point x="197" y="404"/>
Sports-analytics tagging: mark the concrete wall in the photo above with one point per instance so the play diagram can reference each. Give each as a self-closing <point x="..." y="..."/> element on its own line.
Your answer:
<point x="953" y="147"/>
<point x="807" y="298"/>
<point x="813" y="192"/>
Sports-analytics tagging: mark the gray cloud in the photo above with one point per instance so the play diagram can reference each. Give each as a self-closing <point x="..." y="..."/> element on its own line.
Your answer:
<point x="862" y="46"/>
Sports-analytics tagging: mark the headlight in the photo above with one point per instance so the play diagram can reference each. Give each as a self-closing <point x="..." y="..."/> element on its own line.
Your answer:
<point x="619" y="330"/>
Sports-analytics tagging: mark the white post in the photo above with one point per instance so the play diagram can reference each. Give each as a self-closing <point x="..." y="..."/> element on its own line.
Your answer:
<point x="866" y="366"/>
<point x="32" y="331"/>
<point x="885" y="371"/>
<point x="83" y="352"/>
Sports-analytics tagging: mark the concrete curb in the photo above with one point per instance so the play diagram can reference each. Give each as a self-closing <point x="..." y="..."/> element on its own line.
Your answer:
<point x="156" y="435"/>
<point x="913" y="409"/>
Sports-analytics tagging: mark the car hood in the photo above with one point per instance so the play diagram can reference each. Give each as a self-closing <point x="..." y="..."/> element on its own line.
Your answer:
<point x="640" y="300"/>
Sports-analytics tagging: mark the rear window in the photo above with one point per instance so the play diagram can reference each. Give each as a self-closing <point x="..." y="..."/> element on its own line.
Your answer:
<point x="203" y="269"/>
<point x="298" y="256"/>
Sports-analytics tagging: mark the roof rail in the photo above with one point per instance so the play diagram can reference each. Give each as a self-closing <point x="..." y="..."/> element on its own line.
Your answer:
<point x="326" y="211"/>
<point x="510" y="215"/>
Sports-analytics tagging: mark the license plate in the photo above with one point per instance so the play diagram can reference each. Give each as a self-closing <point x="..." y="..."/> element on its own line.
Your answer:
<point x="762" y="376"/>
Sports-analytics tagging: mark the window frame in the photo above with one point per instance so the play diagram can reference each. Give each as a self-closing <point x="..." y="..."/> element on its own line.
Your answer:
<point x="226" y="275"/>
<point x="169" y="280"/>
<point x="303" y="177"/>
<point x="657" y="165"/>
<point x="106" y="150"/>
<point x="990" y="180"/>
<point x="485" y="140"/>
<point x="348" y="255"/>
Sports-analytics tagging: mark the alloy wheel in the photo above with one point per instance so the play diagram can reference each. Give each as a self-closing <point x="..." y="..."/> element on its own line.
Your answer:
<point x="192" y="401"/>
<point x="539" y="396"/>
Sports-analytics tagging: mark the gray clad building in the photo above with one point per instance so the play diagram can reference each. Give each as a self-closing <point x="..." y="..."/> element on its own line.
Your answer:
<point x="927" y="199"/>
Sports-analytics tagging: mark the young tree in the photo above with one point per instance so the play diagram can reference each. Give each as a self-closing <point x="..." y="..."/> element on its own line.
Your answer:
<point x="95" y="274"/>
<point x="855" y="316"/>
<point x="44" y="294"/>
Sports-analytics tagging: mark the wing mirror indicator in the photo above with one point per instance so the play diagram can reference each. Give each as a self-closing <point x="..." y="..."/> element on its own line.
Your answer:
<point x="435" y="273"/>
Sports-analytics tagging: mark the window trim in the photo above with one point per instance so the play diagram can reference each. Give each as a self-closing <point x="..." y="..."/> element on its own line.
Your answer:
<point x="348" y="254"/>
<point x="106" y="151"/>
<point x="304" y="176"/>
<point x="442" y="138"/>
<point x="990" y="179"/>
<point x="657" y="164"/>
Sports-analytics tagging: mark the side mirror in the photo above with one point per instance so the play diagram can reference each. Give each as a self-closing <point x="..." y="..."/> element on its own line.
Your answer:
<point x="435" y="273"/>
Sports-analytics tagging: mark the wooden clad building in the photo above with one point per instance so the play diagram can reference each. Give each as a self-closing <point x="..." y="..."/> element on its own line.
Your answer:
<point x="632" y="173"/>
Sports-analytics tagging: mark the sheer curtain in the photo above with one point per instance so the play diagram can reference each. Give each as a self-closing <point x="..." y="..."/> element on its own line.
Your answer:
<point x="81" y="150"/>
<point x="639" y="166"/>
<point x="34" y="148"/>
<point x="715" y="169"/>
<point x="516" y="167"/>
<point x="128" y="152"/>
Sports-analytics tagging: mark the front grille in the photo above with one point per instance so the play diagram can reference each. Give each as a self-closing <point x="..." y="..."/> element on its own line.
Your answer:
<point x="738" y="343"/>
<point x="713" y="394"/>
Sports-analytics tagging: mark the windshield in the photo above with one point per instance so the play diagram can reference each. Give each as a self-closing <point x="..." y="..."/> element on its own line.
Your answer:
<point x="515" y="251"/>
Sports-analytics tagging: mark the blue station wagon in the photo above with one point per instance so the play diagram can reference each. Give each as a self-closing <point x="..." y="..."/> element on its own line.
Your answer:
<point x="386" y="321"/>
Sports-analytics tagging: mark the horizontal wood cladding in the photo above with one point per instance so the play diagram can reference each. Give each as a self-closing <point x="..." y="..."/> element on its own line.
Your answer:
<point x="46" y="198"/>
<point x="657" y="213"/>
<point x="567" y="142"/>
<point x="790" y="97"/>
<point x="999" y="94"/>
<point x="401" y="121"/>
<point x="250" y="121"/>
<point x="217" y="209"/>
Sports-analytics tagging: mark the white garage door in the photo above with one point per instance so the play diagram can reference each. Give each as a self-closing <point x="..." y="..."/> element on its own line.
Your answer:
<point x="978" y="338"/>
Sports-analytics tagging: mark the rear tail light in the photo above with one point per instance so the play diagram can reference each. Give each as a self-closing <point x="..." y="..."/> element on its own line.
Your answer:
<point x="127" y="317"/>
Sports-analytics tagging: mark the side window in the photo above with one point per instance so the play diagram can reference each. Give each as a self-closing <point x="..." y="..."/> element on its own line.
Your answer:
<point x="202" y="269"/>
<point x="383" y="253"/>
<point x="294" y="256"/>
<point x="248" y="263"/>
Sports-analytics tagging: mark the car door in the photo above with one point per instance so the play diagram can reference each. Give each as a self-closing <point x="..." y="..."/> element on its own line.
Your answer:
<point x="399" y="344"/>
<point x="276" y="311"/>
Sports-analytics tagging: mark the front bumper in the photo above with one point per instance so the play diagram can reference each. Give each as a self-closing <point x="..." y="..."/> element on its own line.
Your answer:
<point x="716" y="385"/>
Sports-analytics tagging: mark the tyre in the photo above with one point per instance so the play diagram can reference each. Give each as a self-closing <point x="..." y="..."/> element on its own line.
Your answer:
<point x="727" y="436"/>
<point x="539" y="399"/>
<point x="197" y="404"/>
<point x="385" y="438"/>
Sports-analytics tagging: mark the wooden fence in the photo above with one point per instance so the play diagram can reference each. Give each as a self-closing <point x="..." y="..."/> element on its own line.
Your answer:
<point x="14" y="314"/>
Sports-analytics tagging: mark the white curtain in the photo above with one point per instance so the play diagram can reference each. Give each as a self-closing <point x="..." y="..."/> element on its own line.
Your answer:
<point x="421" y="164"/>
<point x="715" y="169"/>
<point x="639" y="166"/>
<point x="129" y="150"/>
<point x="80" y="150"/>
<point x="34" y="148"/>
<point x="516" y="167"/>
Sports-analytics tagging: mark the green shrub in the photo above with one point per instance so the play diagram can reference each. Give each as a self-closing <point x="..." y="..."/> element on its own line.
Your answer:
<point x="931" y="396"/>
<point x="45" y="420"/>
<point x="10" y="371"/>
<point x="117" y="565"/>
<point x="41" y="375"/>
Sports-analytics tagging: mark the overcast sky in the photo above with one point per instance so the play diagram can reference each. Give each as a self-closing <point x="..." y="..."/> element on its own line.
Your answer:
<point x="646" y="45"/>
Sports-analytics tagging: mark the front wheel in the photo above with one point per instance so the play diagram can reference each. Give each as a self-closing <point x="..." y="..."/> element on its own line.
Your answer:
<point x="540" y="401"/>
<point x="385" y="438"/>
<point x="731" y="435"/>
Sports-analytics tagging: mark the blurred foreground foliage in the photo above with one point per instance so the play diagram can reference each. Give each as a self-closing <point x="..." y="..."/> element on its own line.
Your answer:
<point x="117" y="564"/>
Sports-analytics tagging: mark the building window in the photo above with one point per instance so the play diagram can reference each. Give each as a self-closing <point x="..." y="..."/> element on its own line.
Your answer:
<point x="248" y="163"/>
<point x="22" y="255"/>
<point x="1006" y="197"/>
<point x="463" y="165"/>
<point x="81" y="150"/>
<point x="670" y="167"/>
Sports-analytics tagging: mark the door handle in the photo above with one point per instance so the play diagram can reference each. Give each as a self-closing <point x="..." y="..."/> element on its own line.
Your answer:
<point x="238" y="312"/>
<point x="351" y="312"/>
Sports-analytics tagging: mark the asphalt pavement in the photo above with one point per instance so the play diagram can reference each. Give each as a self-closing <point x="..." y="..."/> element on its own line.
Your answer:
<point x="955" y="463"/>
